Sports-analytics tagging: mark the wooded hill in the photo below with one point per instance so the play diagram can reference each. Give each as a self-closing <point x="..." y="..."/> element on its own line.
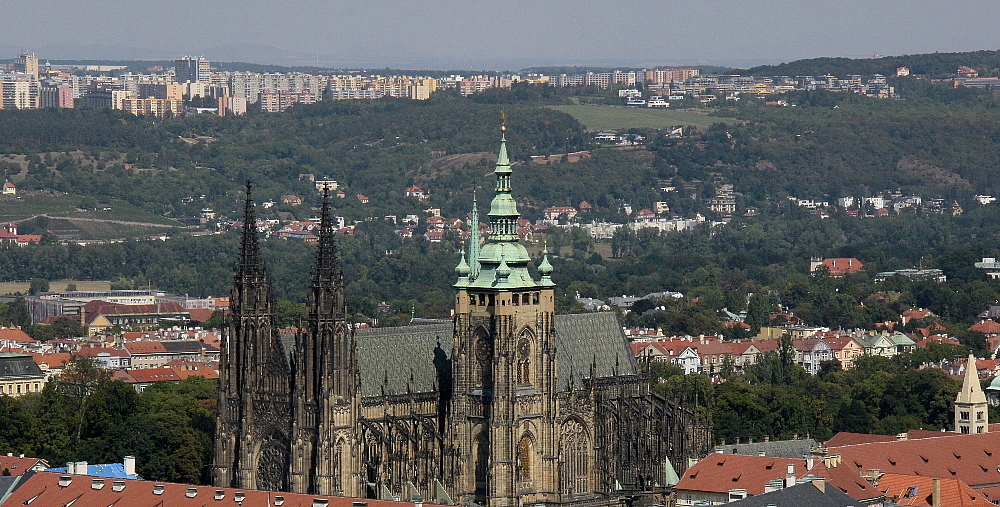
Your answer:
<point x="934" y="65"/>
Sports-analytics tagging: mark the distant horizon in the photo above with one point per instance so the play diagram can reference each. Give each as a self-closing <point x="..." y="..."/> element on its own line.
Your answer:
<point x="297" y="61"/>
<point x="479" y="34"/>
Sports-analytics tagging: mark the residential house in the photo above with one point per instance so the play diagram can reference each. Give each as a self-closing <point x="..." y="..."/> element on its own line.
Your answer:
<point x="810" y="353"/>
<point x="554" y="212"/>
<point x="106" y="357"/>
<point x="877" y="345"/>
<point x="140" y="379"/>
<point x="9" y="188"/>
<point x="291" y="199"/>
<point x="417" y="192"/>
<point x="836" y="267"/>
<point x="845" y="349"/>
<point x="363" y="199"/>
<point x="147" y="354"/>
<point x="14" y="338"/>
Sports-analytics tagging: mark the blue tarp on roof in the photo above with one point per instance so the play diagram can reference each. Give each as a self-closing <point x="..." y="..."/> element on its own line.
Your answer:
<point x="109" y="470"/>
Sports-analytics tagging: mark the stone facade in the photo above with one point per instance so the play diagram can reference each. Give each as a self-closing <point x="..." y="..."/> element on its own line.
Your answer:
<point x="507" y="405"/>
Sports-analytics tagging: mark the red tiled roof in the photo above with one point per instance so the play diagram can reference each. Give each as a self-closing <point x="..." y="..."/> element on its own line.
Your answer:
<point x="916" y="490"/>
<point x="720" y="473"/>
<point x="44" y="488"/>
<point x="53" y="359"/>
<point x="848" y="438"/>
<point x="986" y="327"/>
<point x="94" y="351"/>
<point x="145" y="348"/>
<point x="972" y="458"/>
<point x="840" y="266"/>
<point x="17" y="465"/>
<point x="153" y="375"/>
<point x="15" y="335"/>
<point x="201" y="314"/>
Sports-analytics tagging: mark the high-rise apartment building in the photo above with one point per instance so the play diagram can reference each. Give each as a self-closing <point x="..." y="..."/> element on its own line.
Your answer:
<point x="27" y="63"/>
<point x="56" y="96"/>
<point x="18" y="91"/>
<point x="192" y="69"/>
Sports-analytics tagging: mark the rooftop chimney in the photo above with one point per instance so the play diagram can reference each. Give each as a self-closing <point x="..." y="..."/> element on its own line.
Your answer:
<point x="936" y="492"/>
<point x="790" y="476"/>
<point x="129" y="464"/>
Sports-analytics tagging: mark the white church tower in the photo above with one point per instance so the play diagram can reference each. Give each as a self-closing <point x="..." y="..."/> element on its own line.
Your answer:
<point x="971" y="412"/>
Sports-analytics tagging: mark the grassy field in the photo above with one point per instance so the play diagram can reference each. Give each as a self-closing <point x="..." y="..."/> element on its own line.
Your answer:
<point x="12" y="209"/>
<point x="22" y="287"/>
<point x="597" y="117"/>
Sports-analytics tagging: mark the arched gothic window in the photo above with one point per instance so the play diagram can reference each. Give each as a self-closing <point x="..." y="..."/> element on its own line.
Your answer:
<point x="524" y="359"/>
<point x="574" y="459"/>
<point x="524" y="452"/>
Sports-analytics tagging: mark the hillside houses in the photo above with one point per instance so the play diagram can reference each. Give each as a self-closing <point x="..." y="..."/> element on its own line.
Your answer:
<point x="710" y="354"/>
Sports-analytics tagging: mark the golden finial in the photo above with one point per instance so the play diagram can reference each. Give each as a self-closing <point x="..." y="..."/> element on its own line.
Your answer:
<point x="503" y="121"/>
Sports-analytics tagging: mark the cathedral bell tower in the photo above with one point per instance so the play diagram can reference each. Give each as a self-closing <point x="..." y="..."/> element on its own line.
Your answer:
<point x="504" y="364"/>
<point x="325" y="372"/>
<point x="252" y="440"/>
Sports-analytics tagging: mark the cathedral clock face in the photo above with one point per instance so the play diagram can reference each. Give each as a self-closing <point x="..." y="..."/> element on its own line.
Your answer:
<point x="524" y="348"/>
<point x="484" y="349"/>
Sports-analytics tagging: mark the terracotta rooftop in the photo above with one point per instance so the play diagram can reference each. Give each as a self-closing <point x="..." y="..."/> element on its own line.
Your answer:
<point x="46" y="488"/>
<point x="20" y="464"/>
<point x="916" y="490"/>
<point x="720" y="473"/>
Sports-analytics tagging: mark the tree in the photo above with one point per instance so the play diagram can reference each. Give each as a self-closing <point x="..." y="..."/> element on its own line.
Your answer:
<point x="81" y="377"/>
<point x="38" y="285"/>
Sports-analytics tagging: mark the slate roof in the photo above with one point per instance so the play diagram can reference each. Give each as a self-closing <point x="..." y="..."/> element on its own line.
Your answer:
<point x="774" y="448"/>
<point x="18" y="365"/>
<point x="412" y="357"/>
<point x="797" y="496"/>
<point x="192" y="346"/>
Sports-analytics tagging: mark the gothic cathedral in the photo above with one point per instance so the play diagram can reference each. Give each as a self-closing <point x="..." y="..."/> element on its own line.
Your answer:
<point x="509" y="404"/>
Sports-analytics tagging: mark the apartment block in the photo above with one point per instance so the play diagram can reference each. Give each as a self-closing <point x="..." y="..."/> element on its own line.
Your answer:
<point x="56" y="96"/>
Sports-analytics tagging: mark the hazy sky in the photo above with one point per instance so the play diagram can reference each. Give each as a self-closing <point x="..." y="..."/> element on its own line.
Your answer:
<point x="476" y="34"/>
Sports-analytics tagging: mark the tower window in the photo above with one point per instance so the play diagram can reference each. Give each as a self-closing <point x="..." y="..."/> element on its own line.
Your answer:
<point x="534" y="298"/>
<point x="472" y="299"/>
<point x="963" y="416"/>
<point x="515" y="299"/>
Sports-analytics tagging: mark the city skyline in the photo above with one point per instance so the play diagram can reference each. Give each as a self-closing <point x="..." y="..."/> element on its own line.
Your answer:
<point x="478" y="35"/>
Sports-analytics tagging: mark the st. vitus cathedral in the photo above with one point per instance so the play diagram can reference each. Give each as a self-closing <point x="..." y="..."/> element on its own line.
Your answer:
<point x="509" y="404"/>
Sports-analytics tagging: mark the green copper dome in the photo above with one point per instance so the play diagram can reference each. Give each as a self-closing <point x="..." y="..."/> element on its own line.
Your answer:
<point x="502" y="263"/>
